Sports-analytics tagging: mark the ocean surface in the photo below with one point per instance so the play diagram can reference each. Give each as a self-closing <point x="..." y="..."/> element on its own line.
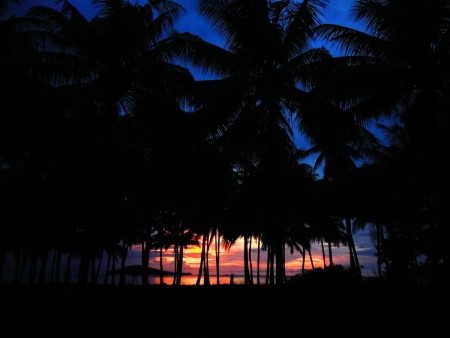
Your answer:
<point x="190" y="280"/>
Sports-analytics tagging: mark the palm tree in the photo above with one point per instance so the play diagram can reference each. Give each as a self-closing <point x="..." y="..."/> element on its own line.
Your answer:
<point x="26" y="156"/>
<point x="341" y="142"/>
<point x="404" y="53"/>
<point x="262" y="72"/>
<point x="115" y="59"/>
<point x="397" y="203"/>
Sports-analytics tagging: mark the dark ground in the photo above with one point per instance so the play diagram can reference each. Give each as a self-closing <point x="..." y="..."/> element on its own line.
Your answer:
<point x="300" y="310"/>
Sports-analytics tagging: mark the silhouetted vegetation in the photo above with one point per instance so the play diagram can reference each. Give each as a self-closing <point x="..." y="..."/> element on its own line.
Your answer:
<point x="108" y="141"/>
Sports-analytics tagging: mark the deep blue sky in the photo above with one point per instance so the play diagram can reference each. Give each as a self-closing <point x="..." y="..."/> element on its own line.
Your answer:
<point x="337" y="12"/>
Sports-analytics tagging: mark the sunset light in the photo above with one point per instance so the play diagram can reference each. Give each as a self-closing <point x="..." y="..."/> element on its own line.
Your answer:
<point x="232" y="261"/>
<point x="236" y="168"/>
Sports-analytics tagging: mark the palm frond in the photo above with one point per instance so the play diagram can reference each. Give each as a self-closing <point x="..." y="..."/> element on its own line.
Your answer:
<point x="351" y="41"/>
<point x="301" y="24"/>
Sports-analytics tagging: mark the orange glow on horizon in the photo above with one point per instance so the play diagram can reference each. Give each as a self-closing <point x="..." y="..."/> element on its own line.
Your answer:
<point x="232" y="261"/>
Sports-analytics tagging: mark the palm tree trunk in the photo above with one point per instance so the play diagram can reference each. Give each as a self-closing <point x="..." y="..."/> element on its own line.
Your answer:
<point x="284" y="265"/>
<point x="311" y="259"/>
<point x="258" y="260"/>
<point x="268" y="266"/>
<point x="122" y="265"/>
<point x="83" y="270"/>
<point x="93" y="269"/>
<point x="97" y="273"/>
<point x="354" y="263"/>
<point x="53" y="266"/>
<point x="217" y="250"/>
<point x="279" y="256"/>
<point x="202" y="261"/>
<point x="206" y="280"/>
<point x="175" y="262"/>
<point x="323" y="252"/>
<point x="58" y="266"/>
<point x="108" y="269"/>
<point x="18" y="265"/>
<point x="161" y="277"/>
<point x="303" y="260"/>
<point x="180" y="265"/>
<point x="250" y="261"/>
<point x="33" y="267"/>
<point x="145" y="255"/>
<point x="113" y="270"/>
<point x="330" y="254"/>
<point x="272" y="267"/>
<point x="379" y="229"/>
<point x="22" y="266"/>
<point x="43" y="271"/>
<point x="68" y="267"/>
<point x="246" y="272"/>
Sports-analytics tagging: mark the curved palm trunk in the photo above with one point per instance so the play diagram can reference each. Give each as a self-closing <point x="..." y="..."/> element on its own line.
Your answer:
<point x="311" y="258"/>
<point x="303" y="252"/>
<point x="202" y="261"/>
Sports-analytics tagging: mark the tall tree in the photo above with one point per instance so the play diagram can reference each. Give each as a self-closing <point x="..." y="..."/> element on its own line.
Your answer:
<point x="404" y="52"/>
<point x="114" y="59"/>
<point x="263" y="71"/>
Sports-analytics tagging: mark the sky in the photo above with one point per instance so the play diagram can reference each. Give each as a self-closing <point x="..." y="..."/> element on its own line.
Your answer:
<point x="232" y="261"/>
<point x="338" y="12"/>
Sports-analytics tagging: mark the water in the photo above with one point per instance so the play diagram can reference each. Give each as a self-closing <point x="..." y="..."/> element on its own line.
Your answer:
<point x="188" y="280"/>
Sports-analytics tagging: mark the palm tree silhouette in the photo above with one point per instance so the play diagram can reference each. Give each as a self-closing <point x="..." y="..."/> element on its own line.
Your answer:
<point x="340" y="141"/>
<point x="407" y="73"/>
<point x="266" y="58"/>
<point x="114" y="59"/>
